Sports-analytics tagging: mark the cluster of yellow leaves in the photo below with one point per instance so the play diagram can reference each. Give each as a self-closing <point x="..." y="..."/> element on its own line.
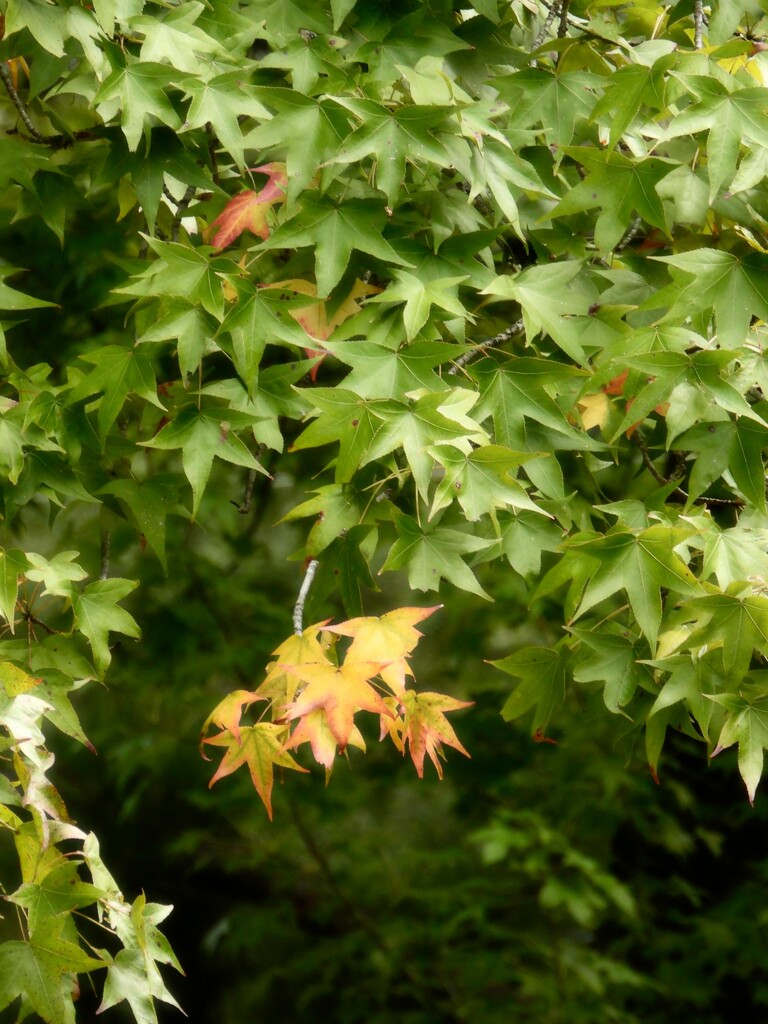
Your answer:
<point x="312" y="692"/>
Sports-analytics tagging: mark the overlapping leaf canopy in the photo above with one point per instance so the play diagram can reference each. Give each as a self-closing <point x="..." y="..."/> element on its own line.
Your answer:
<point x="500" y="300"/>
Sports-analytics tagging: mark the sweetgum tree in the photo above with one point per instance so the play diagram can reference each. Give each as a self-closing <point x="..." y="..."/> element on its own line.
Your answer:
<point x="487" y="280"/>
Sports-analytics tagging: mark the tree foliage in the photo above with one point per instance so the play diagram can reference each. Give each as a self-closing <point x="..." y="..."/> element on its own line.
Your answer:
<point x="487" y="281"/>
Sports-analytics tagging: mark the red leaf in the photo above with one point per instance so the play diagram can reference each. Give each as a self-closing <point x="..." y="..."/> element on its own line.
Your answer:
<point x="247" y="211"/>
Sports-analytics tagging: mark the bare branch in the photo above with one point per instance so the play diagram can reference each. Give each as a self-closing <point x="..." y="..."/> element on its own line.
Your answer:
<point x="245" y="505"/>
<point x="181" y="205"/>
<point x="562" y="28"/>
<point x="630" y="234"/>
<point x="698" y="24"/>
<point x="543" y="32"/>
<point x="498" y="339"/>
<point x="306" y="583"/>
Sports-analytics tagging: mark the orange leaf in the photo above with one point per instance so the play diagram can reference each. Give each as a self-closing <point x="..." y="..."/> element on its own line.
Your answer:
<point x="280" y="685"/>
<point x="228" y="712"/>
<point x="387" y="639"/>
<point x="247" y="211"/>
<point x="260" y="747"/>
<point x="340" y="692"/>
<point x="427" y="728"/>
<point x="314" y="728"/>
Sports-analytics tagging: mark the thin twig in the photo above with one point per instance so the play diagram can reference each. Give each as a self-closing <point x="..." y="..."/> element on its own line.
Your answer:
<point x="679" y="492"/>
<point x="17" y="101"/>
<point x="106" y="543"/>
<point x="245" y="505"/>
<point x="498" y="339"/>
<point x="698" y="24"/>
<point x="306" y="583"/>
<point x="181" y="208"/>
<point x="630" y="234"/>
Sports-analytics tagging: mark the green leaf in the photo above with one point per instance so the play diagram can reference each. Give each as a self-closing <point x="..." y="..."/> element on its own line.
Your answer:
<point x="747" y="725"/>
<point x="736" y="620"/>
<point x="97" y="614"/>
<point x="641" y="564"/>
<point x="382" y="372"/>
<point x="731" y="119"/>
<point x="612" y="659"/>
<point x="335" y="230"/>
<point x="44" y="21"/>
<point x="204" y="434"/>
<point x="190" y="327"/>
<point x="623" y="188"/>
<point x="542" y="674"/>
<point x="392" y="138"/>
<point x="220" y="102"/>
<point x="117" y="372"/>
<point x="419" y="296"/>
<point x="13" y="564"/>
<point x="730" y="286"/>
<point x="519" y="390"/>
<point x="40" y="971"/>
<point x="150" y="502"/>
<point x="556" y="101"/>
<point x="59" y="892"/>
<point x="307" y="131"/>
<point x="135" y="91"/>
<point x="433" y="555"/>
<point x="549" y="303"/>
<point x="480" y="481"/>
<point x="418" y="425"/>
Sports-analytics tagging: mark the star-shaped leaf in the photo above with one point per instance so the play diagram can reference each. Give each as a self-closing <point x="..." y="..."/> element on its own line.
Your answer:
<point x="335" y="230"/>
<point x="480" y="481"/>
<point x="39" y="970"/>
<point x="542" y="674"/>
<point x="747" y="725"/>
<point x="737" y="619"/>
<point x="434" y="554"/>
<point x="611" y="658"/>
<point x="247" y="211"/>
<point x="392" y="138"/>
<point x="641" y="563"/>
<point x="623" y="188"/>
<point x="97" y="614"/>
<point x="260" y="747"/>
<point x="204" y="434"/>
<point x="420" y="296"/>
<point x="551" y="302"/>
<point x="731" y="119"/>
<point x="427" y="728"/>
<point x="117" y="372"/>
<point x="387" y="639"/>
<point x="382" y="372"/>
<point x="730" y="285"/>
<point x="136" y="90"/>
